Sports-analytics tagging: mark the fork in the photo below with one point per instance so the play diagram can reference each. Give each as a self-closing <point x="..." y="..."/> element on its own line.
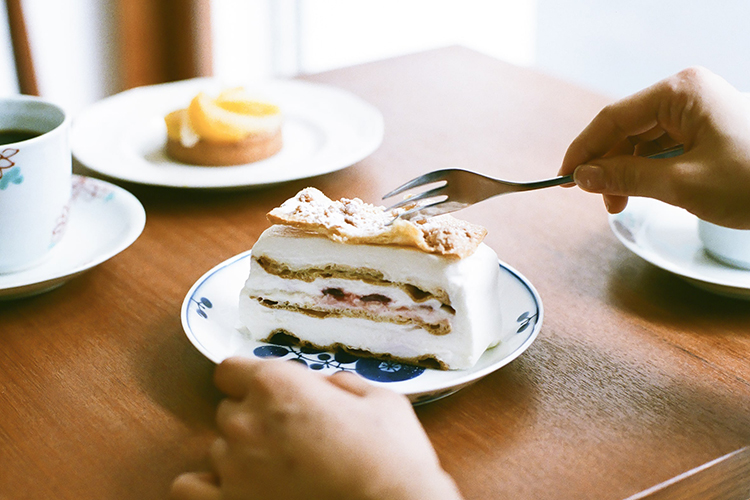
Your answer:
<point x="462" y="188"/>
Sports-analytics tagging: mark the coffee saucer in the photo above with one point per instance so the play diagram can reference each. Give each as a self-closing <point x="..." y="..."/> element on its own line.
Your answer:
<point x="667" y="237"/>
<point x="104" y="220"/>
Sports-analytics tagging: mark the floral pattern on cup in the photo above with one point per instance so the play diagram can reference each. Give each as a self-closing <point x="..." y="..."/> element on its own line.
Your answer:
<point x="62" y="223"/>
<point x="9" y="172"/>
<point x="84" y="188"/>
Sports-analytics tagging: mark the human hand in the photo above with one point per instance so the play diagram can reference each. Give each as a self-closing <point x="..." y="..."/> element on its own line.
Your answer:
<point x="695" y="108"/>
<point x="289" y="433"/>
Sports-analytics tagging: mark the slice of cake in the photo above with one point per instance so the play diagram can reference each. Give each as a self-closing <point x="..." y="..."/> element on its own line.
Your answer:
<point x="232" y="129"/>
<point x="339" y="275"/>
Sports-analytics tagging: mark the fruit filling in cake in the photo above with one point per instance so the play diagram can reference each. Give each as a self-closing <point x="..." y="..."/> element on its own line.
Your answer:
<point x="344" y="275"/>
<point x="347" y="292"/>
<point x="232" y="129"/>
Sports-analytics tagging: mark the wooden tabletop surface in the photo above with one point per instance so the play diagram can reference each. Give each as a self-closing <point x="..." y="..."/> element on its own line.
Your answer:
<point x="635" y="377"/>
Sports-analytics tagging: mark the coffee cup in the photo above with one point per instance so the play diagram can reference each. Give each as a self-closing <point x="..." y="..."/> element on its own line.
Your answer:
<point x="35" y="180"/>
<point x="728" y="246"/>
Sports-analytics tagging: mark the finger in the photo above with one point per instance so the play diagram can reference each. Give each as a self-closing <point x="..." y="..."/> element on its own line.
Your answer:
<point x="237" y="422"/>
<point x="195" y="486"/>
<point x="615" y="204"/>
<point x="648" y="136"/>
<point x="613" y="125"/>
<point x="624" y="147"/>
<point x="655" y="142"/>
<point x="233" y="376"/>
<point x="663" y="105"/>
<point x="270" y="382"/>
<point x="351" y="383"/>
<point x="243" y="377"/>
<point x="630" y="176"/>
<point x="218" y="453"/>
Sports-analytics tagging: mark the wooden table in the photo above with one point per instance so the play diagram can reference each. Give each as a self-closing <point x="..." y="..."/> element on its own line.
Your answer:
<point x="635" y="377"/>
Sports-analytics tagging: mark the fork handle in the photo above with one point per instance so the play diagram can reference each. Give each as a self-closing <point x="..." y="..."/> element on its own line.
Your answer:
<point x="555" y="181"/>
<point x="567" y="179"/>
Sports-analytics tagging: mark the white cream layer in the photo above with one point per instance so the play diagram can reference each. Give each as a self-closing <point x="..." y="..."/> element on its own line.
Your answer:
<point x="312" y="295"/>
<point x="472" y="285"/>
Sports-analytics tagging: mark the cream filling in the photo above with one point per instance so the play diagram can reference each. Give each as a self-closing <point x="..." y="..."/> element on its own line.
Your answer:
<point x="344" y="297"/>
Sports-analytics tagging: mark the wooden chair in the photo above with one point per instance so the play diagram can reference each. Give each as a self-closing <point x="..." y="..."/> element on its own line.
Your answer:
<point x="27" y="82"/>
<point x="159" y="41"/>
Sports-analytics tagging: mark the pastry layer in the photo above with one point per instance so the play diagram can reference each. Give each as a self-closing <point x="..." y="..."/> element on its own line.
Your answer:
<point x="355" y="222"/>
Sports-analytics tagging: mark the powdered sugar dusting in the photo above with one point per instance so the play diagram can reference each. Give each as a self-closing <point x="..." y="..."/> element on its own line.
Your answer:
<point x="356" y="222"/>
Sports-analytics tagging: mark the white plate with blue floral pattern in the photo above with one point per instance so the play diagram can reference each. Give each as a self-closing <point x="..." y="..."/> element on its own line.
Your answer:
<point x="210" y="320"/>
<point x="325" y="129"/>
<point x="667" y="237"/>
<point x="103" y="220"/>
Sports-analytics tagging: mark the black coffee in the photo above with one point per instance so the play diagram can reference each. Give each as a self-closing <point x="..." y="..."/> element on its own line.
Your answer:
<point x="8" y="136"/>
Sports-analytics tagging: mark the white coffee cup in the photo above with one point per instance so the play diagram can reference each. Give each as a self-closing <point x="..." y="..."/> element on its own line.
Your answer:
<point x="35" y="180"/>
<point x="729" y="246"/>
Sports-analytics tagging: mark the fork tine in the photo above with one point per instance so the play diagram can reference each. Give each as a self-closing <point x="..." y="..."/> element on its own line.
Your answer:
<point x="431" y="193"/>
<point x="413" y="211"/>
<point x="428" y="178"/>
<point x="433" y="209"/>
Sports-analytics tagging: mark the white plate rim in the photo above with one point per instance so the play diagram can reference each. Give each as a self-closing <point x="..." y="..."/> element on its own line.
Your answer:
<point x="458" y="379"/>
<point x="117" y="166"/>
<point x="631" y="229"/>
<point x="23" y="283"/>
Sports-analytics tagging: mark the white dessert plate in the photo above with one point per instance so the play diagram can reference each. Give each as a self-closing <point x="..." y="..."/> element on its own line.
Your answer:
<point x="104" y="220"/>
<point x="210" y="320"/>
<point x="325" y="129"/>
<point x="667" y="237"/>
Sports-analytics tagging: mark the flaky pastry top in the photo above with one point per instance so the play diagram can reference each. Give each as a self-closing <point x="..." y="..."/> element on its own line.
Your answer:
<point x="353" y="221"/>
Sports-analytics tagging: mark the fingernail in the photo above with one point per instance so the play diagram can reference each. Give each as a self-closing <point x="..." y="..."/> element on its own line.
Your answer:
<point x="589" y="178"/>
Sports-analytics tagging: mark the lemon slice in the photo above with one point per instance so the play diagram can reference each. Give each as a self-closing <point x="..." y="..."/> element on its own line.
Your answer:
<point x="174" y="122"/>
<point x="238" y="100"/>
<point x="232" y="116"/>
<point x="180" y="129"/>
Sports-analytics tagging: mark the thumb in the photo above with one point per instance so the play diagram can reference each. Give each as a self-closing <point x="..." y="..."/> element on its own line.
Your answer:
<point x="626" y="176"/>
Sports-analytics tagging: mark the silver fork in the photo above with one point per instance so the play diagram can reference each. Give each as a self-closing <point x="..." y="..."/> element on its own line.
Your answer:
<point x="462" y="188"/>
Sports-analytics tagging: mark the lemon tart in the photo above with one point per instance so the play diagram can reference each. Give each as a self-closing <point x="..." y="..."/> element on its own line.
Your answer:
<point x="231" y="129"/>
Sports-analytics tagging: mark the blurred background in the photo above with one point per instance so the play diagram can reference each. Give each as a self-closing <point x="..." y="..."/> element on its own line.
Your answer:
<point x="78" y="51"/>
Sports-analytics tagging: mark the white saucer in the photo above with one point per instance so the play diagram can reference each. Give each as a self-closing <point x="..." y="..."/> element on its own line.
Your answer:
<point x="667" y="237"/>
<point x="210" y="320"/>
<point x="325" y="129"/>
<point x="104" y="220"/>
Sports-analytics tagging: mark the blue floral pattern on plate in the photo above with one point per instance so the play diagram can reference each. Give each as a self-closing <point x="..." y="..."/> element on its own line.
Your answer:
<point x="281" y="346"/>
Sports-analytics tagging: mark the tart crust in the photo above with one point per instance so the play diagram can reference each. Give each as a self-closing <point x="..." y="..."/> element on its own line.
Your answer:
<point x="207" y="153"/>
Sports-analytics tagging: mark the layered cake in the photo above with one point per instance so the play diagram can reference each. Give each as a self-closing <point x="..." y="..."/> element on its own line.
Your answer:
<point x="232" y="129"/>
<point x="345" y="275"/>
